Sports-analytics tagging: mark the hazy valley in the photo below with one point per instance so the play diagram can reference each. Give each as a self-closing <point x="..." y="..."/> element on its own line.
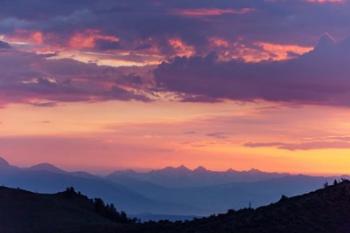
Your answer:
<point x="171" y="193"/>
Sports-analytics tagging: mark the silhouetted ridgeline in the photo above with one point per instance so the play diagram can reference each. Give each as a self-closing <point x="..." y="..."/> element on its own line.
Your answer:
<point x="105" y="210"/>
<point x="323" y="211"/>
<point x="26" y="212"/>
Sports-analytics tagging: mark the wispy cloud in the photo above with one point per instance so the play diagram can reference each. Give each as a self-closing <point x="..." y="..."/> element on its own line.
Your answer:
<point x="317" y="144"/>
<point x="201" y="12"/>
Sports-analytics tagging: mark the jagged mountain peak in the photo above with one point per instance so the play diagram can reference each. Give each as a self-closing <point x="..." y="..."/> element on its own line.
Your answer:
<point x="46" y="167"/>
<point x="181" y="168"/>
<point x="200" y="169"/>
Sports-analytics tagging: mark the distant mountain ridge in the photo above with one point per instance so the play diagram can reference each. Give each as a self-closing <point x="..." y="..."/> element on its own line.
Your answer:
<point x="3" y="163"/>
<point x="182" y="176"/>
<point x="214" y="191"/>
<point x="46" y="167"/>
<point x="171" y="191"/>
<point x="46" y="178"/>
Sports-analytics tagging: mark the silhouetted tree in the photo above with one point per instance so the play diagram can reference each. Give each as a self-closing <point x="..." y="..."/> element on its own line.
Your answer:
<point x="99" y="205"/>
<point x="325" y="185"/>
<point x="109" y="211"/>
<point x="69" y="193"/>
<point x="283" y="198"/>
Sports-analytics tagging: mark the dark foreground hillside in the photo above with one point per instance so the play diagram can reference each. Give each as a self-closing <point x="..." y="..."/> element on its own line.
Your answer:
<point x="323" y="211"/>
<point x="326" y="210"/>
<point x="25" y="212"/>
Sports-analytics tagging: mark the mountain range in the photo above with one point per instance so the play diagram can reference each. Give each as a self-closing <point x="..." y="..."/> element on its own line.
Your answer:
<point x="325" y="210"/>
<point x="172" y="193"/>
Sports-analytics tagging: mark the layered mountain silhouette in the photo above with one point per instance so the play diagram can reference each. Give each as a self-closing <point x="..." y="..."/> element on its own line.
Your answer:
<point x="214" y="192"/>
<point x="46" y="178"/>
<point x="326" y="210"/>
<point x="182" y="176"/>
<point x="171" y="193"/>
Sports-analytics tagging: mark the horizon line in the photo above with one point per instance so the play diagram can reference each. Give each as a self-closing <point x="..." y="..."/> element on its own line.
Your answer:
<point x="102" y="172"/>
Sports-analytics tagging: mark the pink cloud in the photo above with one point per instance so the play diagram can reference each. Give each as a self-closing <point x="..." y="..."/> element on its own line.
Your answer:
<point x="258" y="51"/>
<point x="181" y="48"/>
<point x="26" y="36"/>
<point x="89" y="38"/>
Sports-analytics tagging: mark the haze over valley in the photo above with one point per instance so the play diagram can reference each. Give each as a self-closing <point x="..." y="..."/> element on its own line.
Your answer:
<point x="169" y="193"/>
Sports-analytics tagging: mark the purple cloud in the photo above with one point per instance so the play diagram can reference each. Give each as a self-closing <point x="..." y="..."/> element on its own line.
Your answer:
<point x="318" y="77"/>
<point x="145" y="29"/>
<point x="41" y="81"/>
<point x="144" y="24"/>
<point x="4" y="45"/>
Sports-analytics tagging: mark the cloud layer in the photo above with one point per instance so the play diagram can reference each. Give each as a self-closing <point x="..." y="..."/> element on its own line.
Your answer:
<point x="202" y="51"/>
<point x="149" y="25"/>
<point x="41" y="81"/>
<point x="318" y="77"/>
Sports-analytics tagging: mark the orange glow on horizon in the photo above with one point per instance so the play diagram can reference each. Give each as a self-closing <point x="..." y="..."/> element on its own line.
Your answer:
<point x="161" y="134"/>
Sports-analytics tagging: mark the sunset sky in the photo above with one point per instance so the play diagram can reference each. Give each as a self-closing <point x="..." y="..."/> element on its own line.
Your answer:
<point x="143" y="84"/>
